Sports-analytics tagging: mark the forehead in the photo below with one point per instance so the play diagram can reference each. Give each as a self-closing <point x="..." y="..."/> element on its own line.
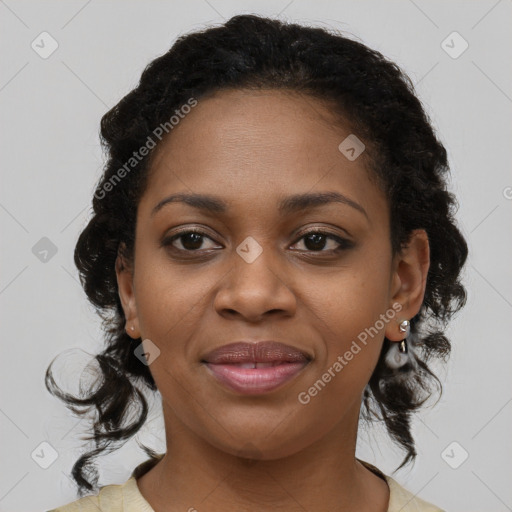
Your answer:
<point x="251" y="145"/>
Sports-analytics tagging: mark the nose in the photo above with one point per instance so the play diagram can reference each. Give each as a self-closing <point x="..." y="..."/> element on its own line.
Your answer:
<point x="255" y="290"/>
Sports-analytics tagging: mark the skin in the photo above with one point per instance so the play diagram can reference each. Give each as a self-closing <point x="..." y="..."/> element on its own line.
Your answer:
<point x="227" y="451"/>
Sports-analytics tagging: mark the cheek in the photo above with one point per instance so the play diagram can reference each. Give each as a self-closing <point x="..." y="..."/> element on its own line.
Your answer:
<point x="168" y="296"/>
<point x="351" y="298"/>
<point x="347" y="308"/>
<point x="169" y="311"/>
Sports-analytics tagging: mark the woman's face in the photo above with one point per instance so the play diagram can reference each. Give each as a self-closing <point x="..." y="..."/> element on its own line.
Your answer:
<point x="255" y="274"/>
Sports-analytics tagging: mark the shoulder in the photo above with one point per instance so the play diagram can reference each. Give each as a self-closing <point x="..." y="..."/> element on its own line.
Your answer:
<point x="400" y="499"/>
<point x="111" y="498"/>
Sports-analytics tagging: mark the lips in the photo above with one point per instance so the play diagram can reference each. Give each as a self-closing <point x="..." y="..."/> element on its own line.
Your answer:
<point x="261" y="352"/>
<point x="255" y="368"/>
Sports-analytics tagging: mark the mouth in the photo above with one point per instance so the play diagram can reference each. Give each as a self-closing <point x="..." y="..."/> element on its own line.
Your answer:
<point x="255" y="368"/>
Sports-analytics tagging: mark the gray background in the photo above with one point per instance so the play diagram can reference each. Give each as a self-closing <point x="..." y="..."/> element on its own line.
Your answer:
<point x="51" y="110"/>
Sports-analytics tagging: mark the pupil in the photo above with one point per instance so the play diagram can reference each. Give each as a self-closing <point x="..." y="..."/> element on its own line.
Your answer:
<point x="316" y="238"/>
<point x="195" y="240"/>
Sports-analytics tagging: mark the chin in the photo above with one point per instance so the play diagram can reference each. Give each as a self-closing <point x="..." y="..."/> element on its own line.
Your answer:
<point x="264" y="444"/>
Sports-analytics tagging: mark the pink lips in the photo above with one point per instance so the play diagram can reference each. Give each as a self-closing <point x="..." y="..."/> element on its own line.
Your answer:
<point x="255" y="368"/>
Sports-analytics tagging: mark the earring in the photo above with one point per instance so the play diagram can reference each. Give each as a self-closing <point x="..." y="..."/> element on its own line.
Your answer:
<point x="398" y="354"/>
<point x="404" y="327"/>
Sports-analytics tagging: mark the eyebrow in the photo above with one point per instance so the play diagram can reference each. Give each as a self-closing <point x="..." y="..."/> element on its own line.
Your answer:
<point x="287" y="206"/>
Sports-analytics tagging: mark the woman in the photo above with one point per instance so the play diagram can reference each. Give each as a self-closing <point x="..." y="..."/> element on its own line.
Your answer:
<point x="272" y="247"/>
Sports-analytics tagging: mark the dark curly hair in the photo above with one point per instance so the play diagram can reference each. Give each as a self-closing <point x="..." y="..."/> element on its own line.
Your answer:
<point x="404" y="155"/>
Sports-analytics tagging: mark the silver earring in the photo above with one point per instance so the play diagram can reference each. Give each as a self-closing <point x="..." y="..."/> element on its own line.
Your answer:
<point x="404" y="327"/>
<point x="132" y="328"/>
<point x="398" y="354"/>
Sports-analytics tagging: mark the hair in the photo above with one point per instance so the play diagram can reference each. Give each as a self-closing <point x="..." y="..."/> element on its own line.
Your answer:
<point x="403" y="153"/>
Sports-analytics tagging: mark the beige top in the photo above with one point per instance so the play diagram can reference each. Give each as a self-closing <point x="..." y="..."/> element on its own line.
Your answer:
<point x="127" y="497"/>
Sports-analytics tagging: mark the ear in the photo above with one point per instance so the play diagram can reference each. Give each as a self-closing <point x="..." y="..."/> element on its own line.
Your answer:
<point x="124" y="273"/>
<point x="409" y="280"/>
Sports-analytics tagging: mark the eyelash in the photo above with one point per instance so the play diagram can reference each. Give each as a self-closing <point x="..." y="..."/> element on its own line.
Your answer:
<point x="343" y="242"/>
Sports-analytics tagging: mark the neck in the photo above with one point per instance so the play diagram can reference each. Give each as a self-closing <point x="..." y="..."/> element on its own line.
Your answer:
<point x="193" y="474"/>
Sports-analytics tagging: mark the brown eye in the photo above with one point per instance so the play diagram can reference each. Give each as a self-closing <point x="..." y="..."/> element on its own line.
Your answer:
<point x="190" y="241"/>
<point x="317" y="241"/>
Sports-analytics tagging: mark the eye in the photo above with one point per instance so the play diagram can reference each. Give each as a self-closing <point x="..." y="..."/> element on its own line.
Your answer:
<point x="190" y="241"/>
<point x="193" y="240"/>
<point x="317" y="240"/>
